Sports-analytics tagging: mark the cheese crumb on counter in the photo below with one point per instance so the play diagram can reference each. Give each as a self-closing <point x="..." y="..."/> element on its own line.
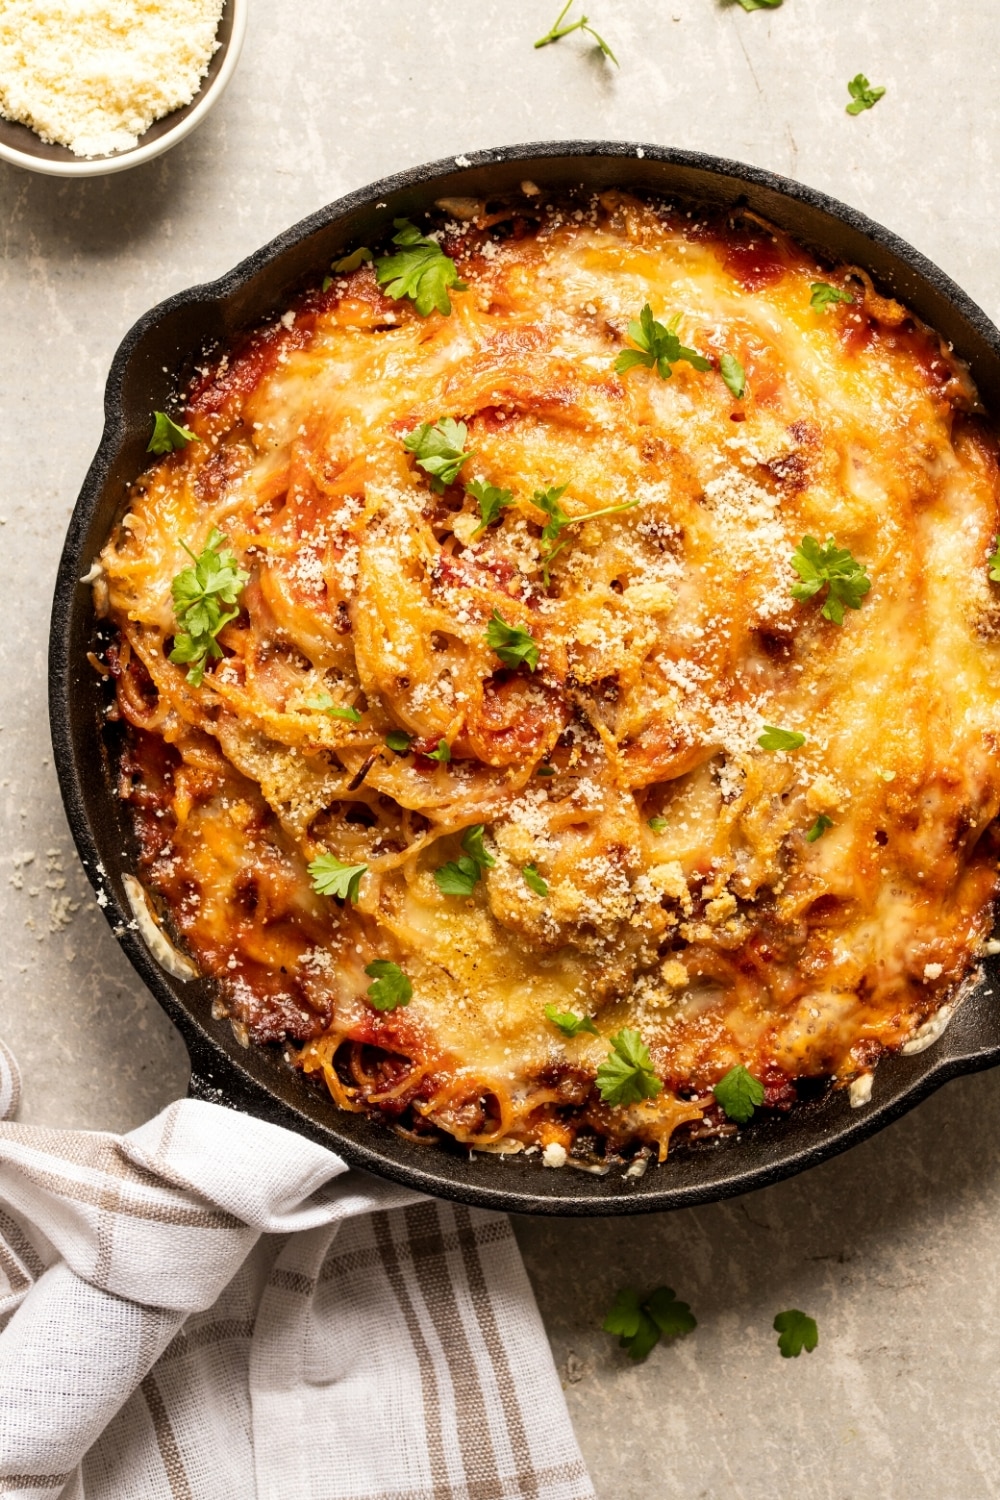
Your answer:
<point x="94" y="76"/>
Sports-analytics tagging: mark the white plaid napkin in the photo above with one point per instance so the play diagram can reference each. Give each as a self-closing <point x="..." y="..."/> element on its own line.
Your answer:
<point x="212" y="1308"/>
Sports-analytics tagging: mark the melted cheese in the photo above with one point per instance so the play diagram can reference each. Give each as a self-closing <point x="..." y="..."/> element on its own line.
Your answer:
<point x="668" y="638"/>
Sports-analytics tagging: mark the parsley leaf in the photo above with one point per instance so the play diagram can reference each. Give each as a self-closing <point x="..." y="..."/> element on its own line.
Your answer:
<point x="490" y="500"/>
<point x="739" y="1093"/>
<point x="514" y="646"/>
<point x="548" y="501"/>
<point x="399" y="740"/>
<point x="993" y="562"/>
<point x="168" y="436"/>
<point x="534" y="881"/>
<point x="797" y="1332"/>
<point x="816" y="565"/>
<point x="546" y="771"/>
<point x="420" y="271"/>
<point x="199" y="594"/>
<point x="640" y="1324"/>
<point x="441" y="754"/>
<point x="659" y="347"/>
<point x="458" y="877"/>
<point x="626" y="1075"/>
<point x="324" y="704"/>
<point x="439" y="450"/>
<point x="557" y="31"/>
<point x="863" y="96"/>
<point x="749" y="5"/>
<point x="780" y="739"/>
<point x="472" y="843"/>
<point x="568" y="1023"/>
<point x="824" y="295"/>
<point x="734" y="375"/>
<point x="354" y="260"/>
<point x="818" y="829"/>
<point x="391" y="986"/>
<point x="657" y="824"/>
<point x="330" y="877"/>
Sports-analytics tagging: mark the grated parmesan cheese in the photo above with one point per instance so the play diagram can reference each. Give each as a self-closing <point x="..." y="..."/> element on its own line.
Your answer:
<point x="93" y="75"/>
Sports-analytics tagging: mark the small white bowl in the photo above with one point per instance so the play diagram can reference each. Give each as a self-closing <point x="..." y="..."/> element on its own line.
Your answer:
<point x="24" y="148"/>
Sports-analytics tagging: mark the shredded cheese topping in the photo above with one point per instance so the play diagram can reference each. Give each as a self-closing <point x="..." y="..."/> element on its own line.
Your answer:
<point x="668" y="638"/>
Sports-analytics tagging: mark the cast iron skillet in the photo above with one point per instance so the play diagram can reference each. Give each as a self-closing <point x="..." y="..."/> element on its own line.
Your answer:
<point x="154" y="356"/>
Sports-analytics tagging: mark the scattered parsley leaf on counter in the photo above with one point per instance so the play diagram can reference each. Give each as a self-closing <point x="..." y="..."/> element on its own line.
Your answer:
<point x="513" y="645"/>
<point x="354" y="260"/>
<point x="441" y="754"/>
<point x="780" y="739"/>
<point x="640" y="1324"/>
<point x="491" y="502"/>
<point x="168" y="435"/>
<point x="749" y="5"/>
<point x="557" y="31"/>
<point x="626" y="1075"/>
<point x="657" y="824"/>
<point x="734" y="375"/>
<point x="818" y="829"/>
<point x="391" y="986"/>
<point x="199" y="594"/>
<point x="824" y="295"/>
<point x="399" y="740"/>
<point x="472" y="843"/>
<point x="816" y="565"/>
<point x="330" y="877"/>
<point x="568" y="1023"/>
<point x="420" y="271"/>
<point x="438" y="449"/>
<point x="863" y="96"/>
<point x="658" y="347"/>
<point x="324" y="704"/>
<point x="797" y="1332"/>
<point x="739" y="1093"/>
<point x="534" y="881"/>
<point x="458" y="877"/>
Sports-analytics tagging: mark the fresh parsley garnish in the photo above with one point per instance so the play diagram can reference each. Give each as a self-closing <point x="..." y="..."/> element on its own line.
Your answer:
<point x="818" y="829"/>
<point x="514" y="646"/>
<point x="534" y="881"/>
<point x="659" y="347"/>
<point x="797" y="1332"/>
<point x="558" y="30"/>
<point x="993" y="561"/>
<point x="391" y="986"/>
<point x="657" y="824"/>
<point x="774" y="738"/>
<point x="324" y="704"/>
<point x="420" y="271"/>
<point x="626" y="1075"/>
<point x="399" y="740"/>
<point x="353" y="261"/>
<point x="491" y="502"/>
<point x="459" y="877"/>
<point x="168" y="436"/>
<point x="734" y="375"/>
<point x="640" y="1323"/>
<point x="442" y="754"/>
<point x="568" y="1023"/>
<point x="739" y="1093"/>
<point x="546" y="771"/>
<point x="331" y="877"/>
<point x="863" y="96"/>
<point x="199" y="594"/>
<point x="824" y="295"/>
<point x="846" y="579"/>
<point x="548" y="501"/>
<point x="439" y="450"/>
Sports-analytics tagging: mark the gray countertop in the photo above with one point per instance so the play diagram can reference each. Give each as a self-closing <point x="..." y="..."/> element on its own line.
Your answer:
<point x="893" y="1248"/>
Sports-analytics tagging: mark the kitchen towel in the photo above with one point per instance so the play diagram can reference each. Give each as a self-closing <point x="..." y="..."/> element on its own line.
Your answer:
<point x="213" y="1308"/>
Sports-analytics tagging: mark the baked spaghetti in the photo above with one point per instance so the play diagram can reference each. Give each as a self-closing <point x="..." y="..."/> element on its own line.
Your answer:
<point x="559" y="672"/>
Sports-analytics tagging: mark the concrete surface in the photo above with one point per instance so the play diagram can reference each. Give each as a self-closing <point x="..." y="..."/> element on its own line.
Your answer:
<point x="894" y="1248"/>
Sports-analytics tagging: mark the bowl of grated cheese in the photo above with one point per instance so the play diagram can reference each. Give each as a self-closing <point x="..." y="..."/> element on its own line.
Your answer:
<point x="89" y="87"/>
